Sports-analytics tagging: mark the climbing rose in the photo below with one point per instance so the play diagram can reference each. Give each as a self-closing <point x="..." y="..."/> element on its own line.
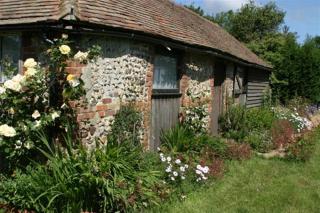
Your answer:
<point x="81" y="56"/>
<point x="7" y="131"/>
<point x="64" y="49"/>
<point x="12" y="85"/>
<point x="30" y="72"/>
<point x="30" y="63"/>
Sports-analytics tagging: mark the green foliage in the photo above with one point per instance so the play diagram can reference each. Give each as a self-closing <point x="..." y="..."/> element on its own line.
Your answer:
<point x="303" y="148"/>
<point x="177" y="139"/>
<point x="126" y="126"/>
<point x="250" y="126"/>
<point x="107" y="179"/>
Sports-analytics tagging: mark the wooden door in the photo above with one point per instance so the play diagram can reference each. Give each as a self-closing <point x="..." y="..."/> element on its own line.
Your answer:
<point x="165" y="112"/>
<point x="217" y="103"/>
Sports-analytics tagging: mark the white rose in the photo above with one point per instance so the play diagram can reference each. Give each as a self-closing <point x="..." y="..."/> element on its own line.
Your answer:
<point x="19" y="78"/>
<point x="64" y="36"/>
<point x="36" y="114"/>
<point x="81" y="56"/>
<point x="2" y="90"/>
<point x="12" y="85"/>
<point x="30" y="72"/>
<point x="7" y="131"/>
<point x="64" y="49"/>
<point x="55" y="115"/>
<point x="30" y="63"/>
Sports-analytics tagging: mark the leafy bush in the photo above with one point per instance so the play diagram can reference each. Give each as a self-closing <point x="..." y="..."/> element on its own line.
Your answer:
<point x="303" y="148"/>
<point x="282" y="133"/>
<point x="233" y="123"/>
<point x="259" y="140"/>
<point x="126" y="126"/>
<point x="259" y="119"/>
<point x="238" y="151"/>
<point x="109" y="179"/>
<point x="178" y="139"/>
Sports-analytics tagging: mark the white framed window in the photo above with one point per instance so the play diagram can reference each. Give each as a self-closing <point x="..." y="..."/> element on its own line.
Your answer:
<point x="10" y="46"/>
<point x="165" y="75"/>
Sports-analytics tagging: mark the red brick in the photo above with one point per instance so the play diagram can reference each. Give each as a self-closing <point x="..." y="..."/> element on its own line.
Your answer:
<point x="102" y="107"/>
<point x="106" y="100"/>
<point x="102" y="114"/>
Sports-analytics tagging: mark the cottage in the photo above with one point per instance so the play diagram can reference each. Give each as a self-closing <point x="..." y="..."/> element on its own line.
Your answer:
<point x="158" y="54"/>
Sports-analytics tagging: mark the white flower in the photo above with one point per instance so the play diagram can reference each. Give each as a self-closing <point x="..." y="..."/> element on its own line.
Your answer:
<point x="178" y="161"/>
<point x="182" y="169"/>
<point x="172" y="178"/>
<point x="175" y="173"/>
<point x="183" y="177"/>
<point x="19" y="78"/>
<point x="168" y="159"/>
<point x="168" y="169"/>
<point x="30" y="63"/>
<point x="81" y="56"/>
<point x="37" y="124"/>
<point x="186" y="166"/>
<point x="204" y="178"/>
<point x="2" y="90"/>
<point x="30" y="72"/>
<point x="163" y="159"/>
<point x="55" y="115"/>
<point x="11" y="111"/>
<point x="198" y="172"/>
<point x="18" y="144"/>
<point x="7" y="131"/>
<point x="36" y="114"/>
<point x="158" y="148"/>
<point x="64" y="49"/>
<point x="63" y="106"/>
<point x="64" y="36"/>
<point x="199" y="167"/>
<point x="205" y="169"/>
<point x="28" y="145"/>
<point x="12" y="85"/>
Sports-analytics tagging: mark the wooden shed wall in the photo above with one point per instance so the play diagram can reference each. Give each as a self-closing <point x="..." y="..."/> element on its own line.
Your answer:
<point x="258" y="83"/>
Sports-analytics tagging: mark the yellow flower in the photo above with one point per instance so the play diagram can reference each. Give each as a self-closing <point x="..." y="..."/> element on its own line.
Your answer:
<point x="7" y="131"/>
<point x="30" y="72"/>
<point x="64" y="49"/>
<point x="71" y="77"/>
<point x="30" y="63"/>
<point x="11" y="111"/>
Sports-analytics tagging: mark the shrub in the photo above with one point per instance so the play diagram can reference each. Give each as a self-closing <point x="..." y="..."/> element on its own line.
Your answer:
<point x="233" y="123"/>
<point x="126" y="126"/>
<point x="303" y="148"/>
<point x="109" y="179"/>
<point x="259" y="119"/>
<point x="282" y="133"/>
<point x="178" y="139"/>
<point x="259" y="140"/>
<point x="238" y="151"/>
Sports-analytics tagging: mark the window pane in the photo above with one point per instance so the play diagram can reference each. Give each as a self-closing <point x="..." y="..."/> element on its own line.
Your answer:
<point x="10" y="49"/>
<point x="165" y="73"/>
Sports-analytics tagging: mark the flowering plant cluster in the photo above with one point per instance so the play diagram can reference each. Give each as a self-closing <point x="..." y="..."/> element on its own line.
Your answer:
<point x="196" y="119"/>
<point x="37" y="101"/>
<point x="300" y="123"/>
<point x="201" y="172"/>
<point x="174" y="168"/>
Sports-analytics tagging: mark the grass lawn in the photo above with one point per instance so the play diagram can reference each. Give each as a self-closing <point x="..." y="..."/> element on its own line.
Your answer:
<point x="258" y="185"/>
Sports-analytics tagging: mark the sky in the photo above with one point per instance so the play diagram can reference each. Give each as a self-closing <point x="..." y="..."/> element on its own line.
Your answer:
<point x="302" y="16"/>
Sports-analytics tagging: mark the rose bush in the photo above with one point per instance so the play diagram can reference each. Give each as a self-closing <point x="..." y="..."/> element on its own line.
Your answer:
<point x="37" y="101"/>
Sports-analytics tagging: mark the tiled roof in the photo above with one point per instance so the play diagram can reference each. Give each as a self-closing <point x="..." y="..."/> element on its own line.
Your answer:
<point x="156" y="17"/>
